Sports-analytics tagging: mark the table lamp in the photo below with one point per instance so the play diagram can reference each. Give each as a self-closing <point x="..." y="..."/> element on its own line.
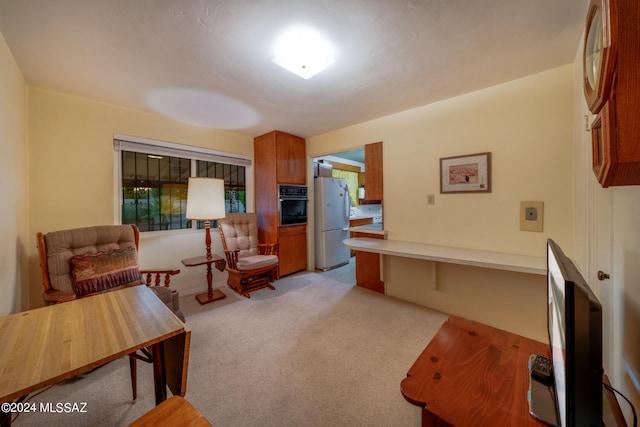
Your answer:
<point x="205" y="201"/>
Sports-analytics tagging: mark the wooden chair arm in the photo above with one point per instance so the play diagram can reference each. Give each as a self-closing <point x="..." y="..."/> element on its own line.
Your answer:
<point x="268" y="248"/>
<point x="55" y="297"/>
<point x="232" y="258"/>
<point x="158" y="274"/>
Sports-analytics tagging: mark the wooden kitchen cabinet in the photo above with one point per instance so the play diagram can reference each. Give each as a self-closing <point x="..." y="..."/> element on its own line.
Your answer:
<point x="373" y="172"/>
<point x="292" y="249"/>
<point x="279" y="158"/>
<point x="368" y="266"/>
<point x="360" y="221"/>
<point x="290" y="157"/>
<point x="284" y="155"/>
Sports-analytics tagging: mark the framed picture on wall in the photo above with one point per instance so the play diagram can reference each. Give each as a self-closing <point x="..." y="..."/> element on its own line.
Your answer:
<point x="466" y="174"/>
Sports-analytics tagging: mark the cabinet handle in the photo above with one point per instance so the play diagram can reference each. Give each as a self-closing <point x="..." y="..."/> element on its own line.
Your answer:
<point x="602" y="275"/>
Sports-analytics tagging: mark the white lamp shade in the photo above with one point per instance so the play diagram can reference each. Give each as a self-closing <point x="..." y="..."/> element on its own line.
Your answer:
<point x="205" y="198"/>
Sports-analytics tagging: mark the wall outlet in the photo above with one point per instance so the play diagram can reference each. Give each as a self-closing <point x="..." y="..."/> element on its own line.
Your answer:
<point x="431" y="199"/>
<point x="531" y="215"/>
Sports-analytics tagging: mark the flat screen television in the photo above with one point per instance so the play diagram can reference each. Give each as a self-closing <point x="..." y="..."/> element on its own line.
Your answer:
<point x="575" y="333"/>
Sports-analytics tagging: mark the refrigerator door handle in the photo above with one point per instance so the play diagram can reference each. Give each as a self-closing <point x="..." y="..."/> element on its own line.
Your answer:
<point x="347" y="202"/>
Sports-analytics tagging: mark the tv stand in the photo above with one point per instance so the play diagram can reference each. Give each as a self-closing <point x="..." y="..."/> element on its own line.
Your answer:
<point x="542" y="404"/>
<point x="474" y="374"/>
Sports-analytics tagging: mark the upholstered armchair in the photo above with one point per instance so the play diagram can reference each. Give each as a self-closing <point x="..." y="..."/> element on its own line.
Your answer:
<point x="250" y="265"/>
<point x="84" y="261"/>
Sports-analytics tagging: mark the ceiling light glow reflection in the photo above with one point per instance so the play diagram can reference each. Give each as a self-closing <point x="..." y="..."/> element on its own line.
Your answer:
<point x="303" y="51"/>
<point x="202" y="108"/>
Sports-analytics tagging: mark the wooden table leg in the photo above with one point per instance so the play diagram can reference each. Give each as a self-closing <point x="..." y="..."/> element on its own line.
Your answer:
<point x="5" y="419"/>
<point x="159" y="376"/>
<point x="211" y="295"/>
<point x="176" y="362"/>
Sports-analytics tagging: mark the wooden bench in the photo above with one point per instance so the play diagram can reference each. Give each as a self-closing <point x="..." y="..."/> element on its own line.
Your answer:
<point x="175" y="411"/>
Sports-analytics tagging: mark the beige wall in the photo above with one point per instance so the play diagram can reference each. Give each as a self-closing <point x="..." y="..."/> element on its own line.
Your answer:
<point x="14" y="241"/>
<point x="72" y="176"/>
<point x="527" y="126"/>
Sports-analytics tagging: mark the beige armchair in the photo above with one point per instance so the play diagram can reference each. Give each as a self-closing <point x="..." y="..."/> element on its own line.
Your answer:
<point x="84" y="261"/>
<point x="250" y="265"/>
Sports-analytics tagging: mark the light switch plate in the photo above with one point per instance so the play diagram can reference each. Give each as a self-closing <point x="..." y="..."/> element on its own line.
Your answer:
<point x="531" y="215"/>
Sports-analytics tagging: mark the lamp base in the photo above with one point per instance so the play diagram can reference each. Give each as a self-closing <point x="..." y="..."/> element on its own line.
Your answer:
<point x="205" y="297"/>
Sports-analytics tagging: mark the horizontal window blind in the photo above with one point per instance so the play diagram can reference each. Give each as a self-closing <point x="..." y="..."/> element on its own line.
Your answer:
<point x="162" y="148"/>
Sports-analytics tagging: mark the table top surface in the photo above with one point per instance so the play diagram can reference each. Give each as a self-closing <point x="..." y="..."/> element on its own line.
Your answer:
<point x="50" y="344"/>
<point x="449" y="254"/>
<point x="474" y="374"/>
<point x="200" y="260"/>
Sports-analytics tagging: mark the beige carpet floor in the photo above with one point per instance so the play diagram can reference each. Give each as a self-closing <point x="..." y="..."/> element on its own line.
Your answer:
<point x="314" y="352"/>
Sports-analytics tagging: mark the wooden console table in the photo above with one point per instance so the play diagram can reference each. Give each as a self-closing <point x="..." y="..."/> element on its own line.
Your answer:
<point x="474" y="374"/>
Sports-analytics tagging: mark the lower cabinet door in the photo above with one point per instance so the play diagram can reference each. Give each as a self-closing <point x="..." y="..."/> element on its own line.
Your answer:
<point x="368" y="267"/>
<point x="292" y="249"/>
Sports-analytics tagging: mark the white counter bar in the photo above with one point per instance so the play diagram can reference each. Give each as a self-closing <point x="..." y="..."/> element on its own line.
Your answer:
<point x="473" y="257"/>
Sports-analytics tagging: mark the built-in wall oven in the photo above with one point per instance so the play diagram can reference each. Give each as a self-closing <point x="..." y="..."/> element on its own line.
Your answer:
<point x="292" y="205"/>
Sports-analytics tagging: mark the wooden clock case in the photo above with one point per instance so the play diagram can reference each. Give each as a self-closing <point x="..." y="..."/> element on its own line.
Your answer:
<point x="615" y="94"/>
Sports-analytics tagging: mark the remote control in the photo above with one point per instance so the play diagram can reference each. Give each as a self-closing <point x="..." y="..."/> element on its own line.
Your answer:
<point x="541" y="368"/>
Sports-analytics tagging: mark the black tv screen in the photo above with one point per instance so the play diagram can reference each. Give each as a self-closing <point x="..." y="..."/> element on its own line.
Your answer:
<point x="575" y="334"/>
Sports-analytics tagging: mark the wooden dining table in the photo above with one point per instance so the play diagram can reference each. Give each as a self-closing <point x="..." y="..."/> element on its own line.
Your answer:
<point x="47" y="345"/>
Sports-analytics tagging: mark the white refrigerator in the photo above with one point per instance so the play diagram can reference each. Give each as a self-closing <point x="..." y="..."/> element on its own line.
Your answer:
<point x="331" y="208"/>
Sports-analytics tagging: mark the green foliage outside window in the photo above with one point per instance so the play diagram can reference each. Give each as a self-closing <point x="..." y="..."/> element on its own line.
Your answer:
<point x="154" y="189"/>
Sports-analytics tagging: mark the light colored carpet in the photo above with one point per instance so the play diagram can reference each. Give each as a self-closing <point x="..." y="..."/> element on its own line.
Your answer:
<point x="314" y="352"/>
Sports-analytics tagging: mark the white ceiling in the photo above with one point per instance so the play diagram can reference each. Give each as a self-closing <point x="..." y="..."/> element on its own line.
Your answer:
<point x="208" y="62"/>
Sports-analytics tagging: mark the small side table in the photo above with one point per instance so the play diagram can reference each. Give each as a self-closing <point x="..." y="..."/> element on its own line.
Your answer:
<point x="211" y="294"/>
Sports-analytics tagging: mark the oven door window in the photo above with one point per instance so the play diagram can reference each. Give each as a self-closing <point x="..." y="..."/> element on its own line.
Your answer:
<point x="293" y="212"/>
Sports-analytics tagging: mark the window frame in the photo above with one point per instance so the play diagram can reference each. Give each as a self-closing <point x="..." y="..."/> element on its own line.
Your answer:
<point x="156" y="147"/>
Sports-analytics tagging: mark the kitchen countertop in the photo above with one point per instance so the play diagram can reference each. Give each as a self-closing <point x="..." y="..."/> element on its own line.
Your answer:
<point x="361" y="216"/>
<point x="369" y="228"/>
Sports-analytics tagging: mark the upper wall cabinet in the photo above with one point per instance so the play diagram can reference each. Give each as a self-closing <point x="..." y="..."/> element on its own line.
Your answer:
<point x="611" y="61"/>
<point x="281" y="157"/>
<point x="290" y="159"/>
<point x="373" y="171"/>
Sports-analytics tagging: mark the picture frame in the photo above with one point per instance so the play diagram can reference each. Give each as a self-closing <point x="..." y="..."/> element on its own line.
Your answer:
<point x="466" y="174"/>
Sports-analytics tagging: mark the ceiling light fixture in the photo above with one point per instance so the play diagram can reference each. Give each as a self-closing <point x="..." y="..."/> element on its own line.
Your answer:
<point x="303" y="51"/>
